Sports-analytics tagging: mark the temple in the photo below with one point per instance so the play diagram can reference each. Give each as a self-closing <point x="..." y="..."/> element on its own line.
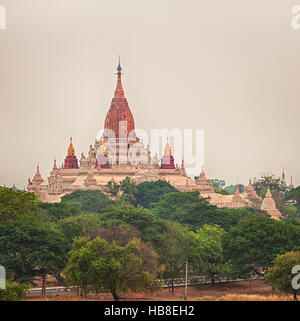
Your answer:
<point x="118" y="154"/>
<point x="268" y="205"/>
<point x="71" y="160"/>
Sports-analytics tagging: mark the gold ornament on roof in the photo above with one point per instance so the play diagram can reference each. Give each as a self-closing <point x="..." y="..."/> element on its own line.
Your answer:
<point x="168" y="150"/>
<point x="71" y="150"/>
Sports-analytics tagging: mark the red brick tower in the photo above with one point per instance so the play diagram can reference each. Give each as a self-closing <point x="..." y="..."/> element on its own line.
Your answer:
<point x="119" y="111"/>
<point x="71" y="160"/>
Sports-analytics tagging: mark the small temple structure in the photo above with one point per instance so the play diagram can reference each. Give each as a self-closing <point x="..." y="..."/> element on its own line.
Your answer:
<point x="167" y="161"/>
<point x="268" y="205"/>
<point x="118" y="154"/>
<point x="205" y="186"/>
<point x="71" y="159"/>
<point x="248" y="198"/>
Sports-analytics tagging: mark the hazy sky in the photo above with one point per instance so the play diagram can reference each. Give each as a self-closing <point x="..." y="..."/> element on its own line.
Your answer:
<point x="230" y="67"/>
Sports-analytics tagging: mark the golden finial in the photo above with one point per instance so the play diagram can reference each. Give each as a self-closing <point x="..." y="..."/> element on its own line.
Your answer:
<point x="168" y="150"/>
<point x="71" y="150"/>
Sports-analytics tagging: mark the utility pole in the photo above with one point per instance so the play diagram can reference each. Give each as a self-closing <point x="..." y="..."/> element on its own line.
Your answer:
<point x="186" y="275"/>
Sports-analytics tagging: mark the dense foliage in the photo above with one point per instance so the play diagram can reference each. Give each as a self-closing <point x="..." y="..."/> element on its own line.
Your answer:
<point x="280" y="276"/>
<point x="155" y="229"/>
<point x="13" y="292"/>
<point x="90" y="201"/>
<point x="97" y="264"/>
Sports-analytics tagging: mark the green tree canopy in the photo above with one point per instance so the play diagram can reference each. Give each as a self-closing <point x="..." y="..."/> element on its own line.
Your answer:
<point x="78" y="226"/>
<point x="140" y="219"/>
<point x="231" y="188"/>
<point x="57" y="211"/>
<point x="28" y="250"/>
<point x="90" y="201"/>
<point x="171" y="253"/>
<point x="151" y="192"/>
<point x="17" y="205"/>
<point x="209" y="251"/>
<point x="280" y="274"/>
<point x="189" y="209"/>
<point x="275" y="183"/>
<point x="254" y="243"/>
<point x="294" y="195"/>
<point x="13" y="292"/>
<point x="112" y="188"/>
<point x="217" y="183"/>
<point x="101" y="265"/>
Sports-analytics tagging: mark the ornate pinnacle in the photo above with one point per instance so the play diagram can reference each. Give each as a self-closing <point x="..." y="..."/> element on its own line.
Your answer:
<point x="119" y="69"/>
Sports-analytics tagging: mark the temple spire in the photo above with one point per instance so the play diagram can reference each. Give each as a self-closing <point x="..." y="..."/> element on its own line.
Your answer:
<point x="237" y="191"/>
<point x="119" y="92"/>
<point x="71" y="150"/>
<point x="37" y="180"/>
<point x="268" y="205"/>
<point x="283" y="176"/>
<point x="119" y="115"/>
<point x="54" y="164"/>
<point x="168" y="149"/>
<point x="237" y="198"/>
<point x="268" y="194"/>
<point x="119" y="69"/>
<point x="71" y="160"/>
<point x="167" y="161"/>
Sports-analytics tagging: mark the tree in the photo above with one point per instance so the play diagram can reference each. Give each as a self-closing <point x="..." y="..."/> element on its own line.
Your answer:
<point x="141" y="219"/>
<point x="28" y="250"/>
<point x="114" y="232"/>
<point x="280" y="274"/>
<point x="90" y="201"/>
<point x="129" y="188"/>
<point x="218" y="184"/>
<point x="49" y="254"/>
<point x="231" y="188"/>
<point x="174" y="205"/>
<point x="294" y="197"/>
<point x="57" y="211"/>
<point x="261" y="184"/>
<point x="189" y="209"/>
<point x="222" y="191"/>
<point x="210" y="251"/>
<point x="78" y="226"/>
<point x="253" y="244"/>
<point x="112" y="188"/>
<point x="13" y="292"/>
<point x="123" y="192"/>
<point x="292" y="212"/>
<point x="17" y="205"/>
<point x="102" y="265"/>
<point x="171" y="253"/>
<point x="122" y="235"/>
<point x="151" y="192"/>
<point x="279" y="199"/>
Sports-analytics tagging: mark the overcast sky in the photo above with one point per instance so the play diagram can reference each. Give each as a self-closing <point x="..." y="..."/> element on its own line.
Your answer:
<point x="230" y="67"/>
